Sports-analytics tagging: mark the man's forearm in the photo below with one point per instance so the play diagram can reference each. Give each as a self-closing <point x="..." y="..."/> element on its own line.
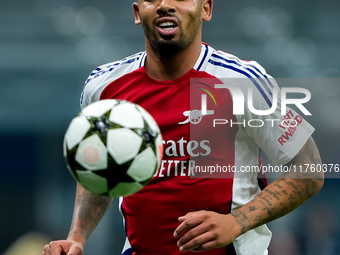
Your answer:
<point x="88" y="211"/>
<point x="286" y="193"/>
<point x="278" y="199"/>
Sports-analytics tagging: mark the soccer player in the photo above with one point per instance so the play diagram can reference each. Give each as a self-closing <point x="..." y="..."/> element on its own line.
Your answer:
<point x="176" y="213"/>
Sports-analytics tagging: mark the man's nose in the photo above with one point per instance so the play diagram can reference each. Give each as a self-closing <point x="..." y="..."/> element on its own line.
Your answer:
<point x="165" y="7"/>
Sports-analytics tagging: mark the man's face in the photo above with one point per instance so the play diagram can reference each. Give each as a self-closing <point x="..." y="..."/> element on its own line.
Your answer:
<point x="171" y="25"/>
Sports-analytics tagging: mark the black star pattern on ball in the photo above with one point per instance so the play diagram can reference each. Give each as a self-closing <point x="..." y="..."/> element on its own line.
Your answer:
<point x="149" y="137"/>
<point x="102" y="125"/>
<point x="115" y="174"/>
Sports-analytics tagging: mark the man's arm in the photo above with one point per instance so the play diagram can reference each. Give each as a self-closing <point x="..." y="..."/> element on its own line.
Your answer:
<point x="207" y="230"/>
<point x="286" y="193"/>
<point x="89" y="209"/>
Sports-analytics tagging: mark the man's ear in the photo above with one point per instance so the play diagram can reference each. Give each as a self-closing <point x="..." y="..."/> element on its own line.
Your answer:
<point x="207" y="10"/>
<point x="135" y="8"/>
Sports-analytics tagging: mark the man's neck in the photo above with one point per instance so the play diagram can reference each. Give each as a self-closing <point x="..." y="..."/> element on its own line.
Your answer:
<point x="174" y="67"/>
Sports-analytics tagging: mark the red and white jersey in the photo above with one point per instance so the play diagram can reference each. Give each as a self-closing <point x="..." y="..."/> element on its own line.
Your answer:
<point x="200" y="133"/>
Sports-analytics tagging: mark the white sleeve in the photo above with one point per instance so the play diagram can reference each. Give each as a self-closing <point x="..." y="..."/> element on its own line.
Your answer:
<point x="104" y="75"/>
<point x="280" y="136"/>
<point x="93" y="87"/>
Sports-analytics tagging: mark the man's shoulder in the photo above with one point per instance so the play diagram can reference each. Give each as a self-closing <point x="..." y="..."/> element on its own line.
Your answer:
<point x="232" y="62"/>
<point x="117" y="68"/>
<point x="107" y="73"/>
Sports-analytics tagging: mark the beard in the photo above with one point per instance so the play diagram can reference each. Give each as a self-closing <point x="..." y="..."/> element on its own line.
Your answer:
<point x="167" y="47"/>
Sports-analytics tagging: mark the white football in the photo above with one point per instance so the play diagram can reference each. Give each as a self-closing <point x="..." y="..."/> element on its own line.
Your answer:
<point x="113" y="147"/>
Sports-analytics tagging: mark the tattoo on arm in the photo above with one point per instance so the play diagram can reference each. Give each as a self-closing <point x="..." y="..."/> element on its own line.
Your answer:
<point x="89" y="210"/>
<point x="242" y="220"/>
<point x="92" y="209"/>
<point x="284" y="194"/>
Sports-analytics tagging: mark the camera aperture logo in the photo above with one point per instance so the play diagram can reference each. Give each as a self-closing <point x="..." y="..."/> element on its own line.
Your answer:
<point x="195" y="116"/>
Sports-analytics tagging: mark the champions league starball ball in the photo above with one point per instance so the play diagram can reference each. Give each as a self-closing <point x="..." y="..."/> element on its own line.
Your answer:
<point x="113" y="147"/>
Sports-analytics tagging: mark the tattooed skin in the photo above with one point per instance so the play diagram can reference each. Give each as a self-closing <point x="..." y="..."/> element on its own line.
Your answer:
<point x="242" y="220"/>
<point x="88" y="211"/>
<point x="285" y="194"/>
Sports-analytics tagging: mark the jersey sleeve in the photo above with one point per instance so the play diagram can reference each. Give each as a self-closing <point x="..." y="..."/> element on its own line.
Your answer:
<point x="105" y="74"/>
<point x="280" y="135"/>
<point x="98" y="79"/>
<point x="89" y="94"/>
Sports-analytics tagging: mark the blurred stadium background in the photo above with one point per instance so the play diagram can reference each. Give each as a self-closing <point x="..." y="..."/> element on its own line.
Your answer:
<point x="47" y="50"/>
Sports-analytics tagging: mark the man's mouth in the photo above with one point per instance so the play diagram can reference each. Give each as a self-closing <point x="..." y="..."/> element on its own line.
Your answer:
<point x="167" y="26"/>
